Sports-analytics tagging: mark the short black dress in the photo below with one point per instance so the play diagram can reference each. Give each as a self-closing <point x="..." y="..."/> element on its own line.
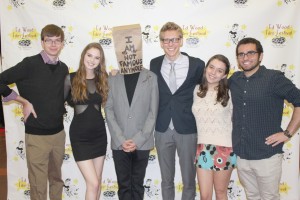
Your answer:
<point x="87" y="130"/>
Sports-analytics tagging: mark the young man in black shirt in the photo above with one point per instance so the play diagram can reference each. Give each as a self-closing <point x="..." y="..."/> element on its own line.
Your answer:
<point x="40" y="82"/>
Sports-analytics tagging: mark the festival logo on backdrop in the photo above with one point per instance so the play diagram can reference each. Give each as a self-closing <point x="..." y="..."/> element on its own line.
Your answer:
<point x="68" y="156"/>
<point x="109" y="188"/>
<point x="150" y="34"/>
<point x="103" y="3"/>
<point x="102" y="34"/>
<point x="68" y="35"/>
<point x="149" y="4"/>
<point x="190" y="3"/>
<point x="22" y="185"/>
<point x="103" y="115"/>
<point x="16" y="3"/>
<point x="20" y="151"/>
<point x="152" y="189"/>
<point x="287" y="110"/>
<point x="70" y="189"/>
<point x="193" y="34"/>
<point x="152" y="156"/>
<point x="236" y="33"/>
<point x="24" y="36"/>
<point x="108" y="156"/>
<point x="279" y="34"/>
<point x="60" y="4"/>
<point x="289" y="71"/>
<point x="17" y="110"/>
<point x="287" y="152"/>
<point x="234" y="190"/>
<point x="179" y="187"/>
<point x="233" y="68"/>
<point x="284" y="188"/>
<point x="286" y="2"/>
<point x="241" y="3"/>
<point x="197" y="1"/>
<point x="68" y="116"/>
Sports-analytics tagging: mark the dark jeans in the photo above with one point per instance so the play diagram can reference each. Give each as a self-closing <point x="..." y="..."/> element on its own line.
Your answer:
<point x="131" y="169"/>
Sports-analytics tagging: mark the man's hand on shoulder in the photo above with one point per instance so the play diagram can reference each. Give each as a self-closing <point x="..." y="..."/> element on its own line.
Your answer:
<point x="114" y="72"/>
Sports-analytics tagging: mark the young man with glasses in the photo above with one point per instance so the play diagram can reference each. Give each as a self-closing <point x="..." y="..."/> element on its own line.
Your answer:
<point x="177" y="75"/>
<point x="258" y="96"/>
<point x="40" y="82"/>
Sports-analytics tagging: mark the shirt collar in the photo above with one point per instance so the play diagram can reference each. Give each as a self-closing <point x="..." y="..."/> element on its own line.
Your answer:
<point x="179" y="60"/>
<point x="47" y="60"/>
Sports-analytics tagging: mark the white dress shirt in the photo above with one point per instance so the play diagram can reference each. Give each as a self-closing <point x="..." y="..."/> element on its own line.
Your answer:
<point x="181" y="69"/>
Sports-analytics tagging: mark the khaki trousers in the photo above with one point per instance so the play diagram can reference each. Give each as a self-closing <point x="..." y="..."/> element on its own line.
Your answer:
<point x="45" y="155"/>
<point x="261" y="178"/>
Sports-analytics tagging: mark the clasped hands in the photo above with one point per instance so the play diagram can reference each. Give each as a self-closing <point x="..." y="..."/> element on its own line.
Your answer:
<point x="129" y="146"/>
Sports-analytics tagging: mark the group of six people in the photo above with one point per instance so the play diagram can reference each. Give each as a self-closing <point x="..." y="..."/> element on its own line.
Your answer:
<point x="180" y="105"/>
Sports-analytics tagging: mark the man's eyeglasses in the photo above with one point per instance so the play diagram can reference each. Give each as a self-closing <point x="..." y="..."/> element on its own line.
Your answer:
<point x="55" y="42"/>
<point x="168" y="40"/>
<point x="249" y="54"/>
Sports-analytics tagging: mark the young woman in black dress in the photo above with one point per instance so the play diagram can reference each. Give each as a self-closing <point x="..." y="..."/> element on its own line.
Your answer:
<point x="86" y="91"/>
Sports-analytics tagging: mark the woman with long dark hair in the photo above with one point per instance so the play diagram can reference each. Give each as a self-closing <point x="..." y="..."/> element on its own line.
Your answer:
<point x="212" y="108"/>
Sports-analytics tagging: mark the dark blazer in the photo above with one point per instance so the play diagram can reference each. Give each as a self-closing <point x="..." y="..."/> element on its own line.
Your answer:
<point x="179" y="105"/>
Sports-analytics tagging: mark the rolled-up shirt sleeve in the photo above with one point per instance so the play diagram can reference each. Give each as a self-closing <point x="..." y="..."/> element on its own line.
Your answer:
<point x="12" y="96"/>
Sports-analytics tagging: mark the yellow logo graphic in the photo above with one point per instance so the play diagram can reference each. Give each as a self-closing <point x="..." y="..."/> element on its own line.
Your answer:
<point x="18" y="111"/>
<point x="193" y="34"/>
<point x="109" y="185"/>
<point x="287" y="109"/>
<point x="284" y="188"/>
<point x="71" y="70"/>
<point x="22" y="184"/>
<point x="24" y="33"/>
<point x="279" y="30"/>
<point x="68" y="149"/>
<point x="179" y="187"/>
<point x="280" y="2"/>
<point x="195" y="31"/>
<point x="231" y="71"/>
<point x="153" y="151"/>
<point x="101" y="32"/>
<point x="289" y="145"/>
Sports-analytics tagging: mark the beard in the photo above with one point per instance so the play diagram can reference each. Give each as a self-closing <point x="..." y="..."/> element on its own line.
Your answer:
<point x="251" y="67"/>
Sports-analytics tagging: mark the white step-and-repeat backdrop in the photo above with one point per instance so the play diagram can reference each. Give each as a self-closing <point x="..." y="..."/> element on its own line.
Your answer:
<point x="210" y="27"/>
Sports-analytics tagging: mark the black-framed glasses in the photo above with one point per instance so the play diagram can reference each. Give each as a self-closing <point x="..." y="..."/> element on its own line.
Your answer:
<point x="168" y="40"/>
<point x="249" y="54"/>
<point x="55" y="42"/>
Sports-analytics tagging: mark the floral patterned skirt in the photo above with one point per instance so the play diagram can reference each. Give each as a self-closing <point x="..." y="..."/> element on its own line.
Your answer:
<point x="214" y="157"/>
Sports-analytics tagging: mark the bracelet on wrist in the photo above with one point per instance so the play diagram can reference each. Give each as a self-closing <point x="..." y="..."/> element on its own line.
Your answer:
<point x="287" y="133"/>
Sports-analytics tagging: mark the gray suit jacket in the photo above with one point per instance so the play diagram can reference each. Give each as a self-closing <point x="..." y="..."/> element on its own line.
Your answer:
<point x="137" y="121"/>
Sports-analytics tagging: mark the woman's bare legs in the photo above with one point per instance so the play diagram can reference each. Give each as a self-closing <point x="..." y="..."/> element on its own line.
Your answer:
<point x="205" y="181"/>
<point x="221" y="181"/>
<point x="92" y="173"/>
<point x="208" y="179"/>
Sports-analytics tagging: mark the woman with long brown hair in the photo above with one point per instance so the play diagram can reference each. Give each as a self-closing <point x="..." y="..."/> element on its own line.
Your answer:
<point x="86" y="91"/>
